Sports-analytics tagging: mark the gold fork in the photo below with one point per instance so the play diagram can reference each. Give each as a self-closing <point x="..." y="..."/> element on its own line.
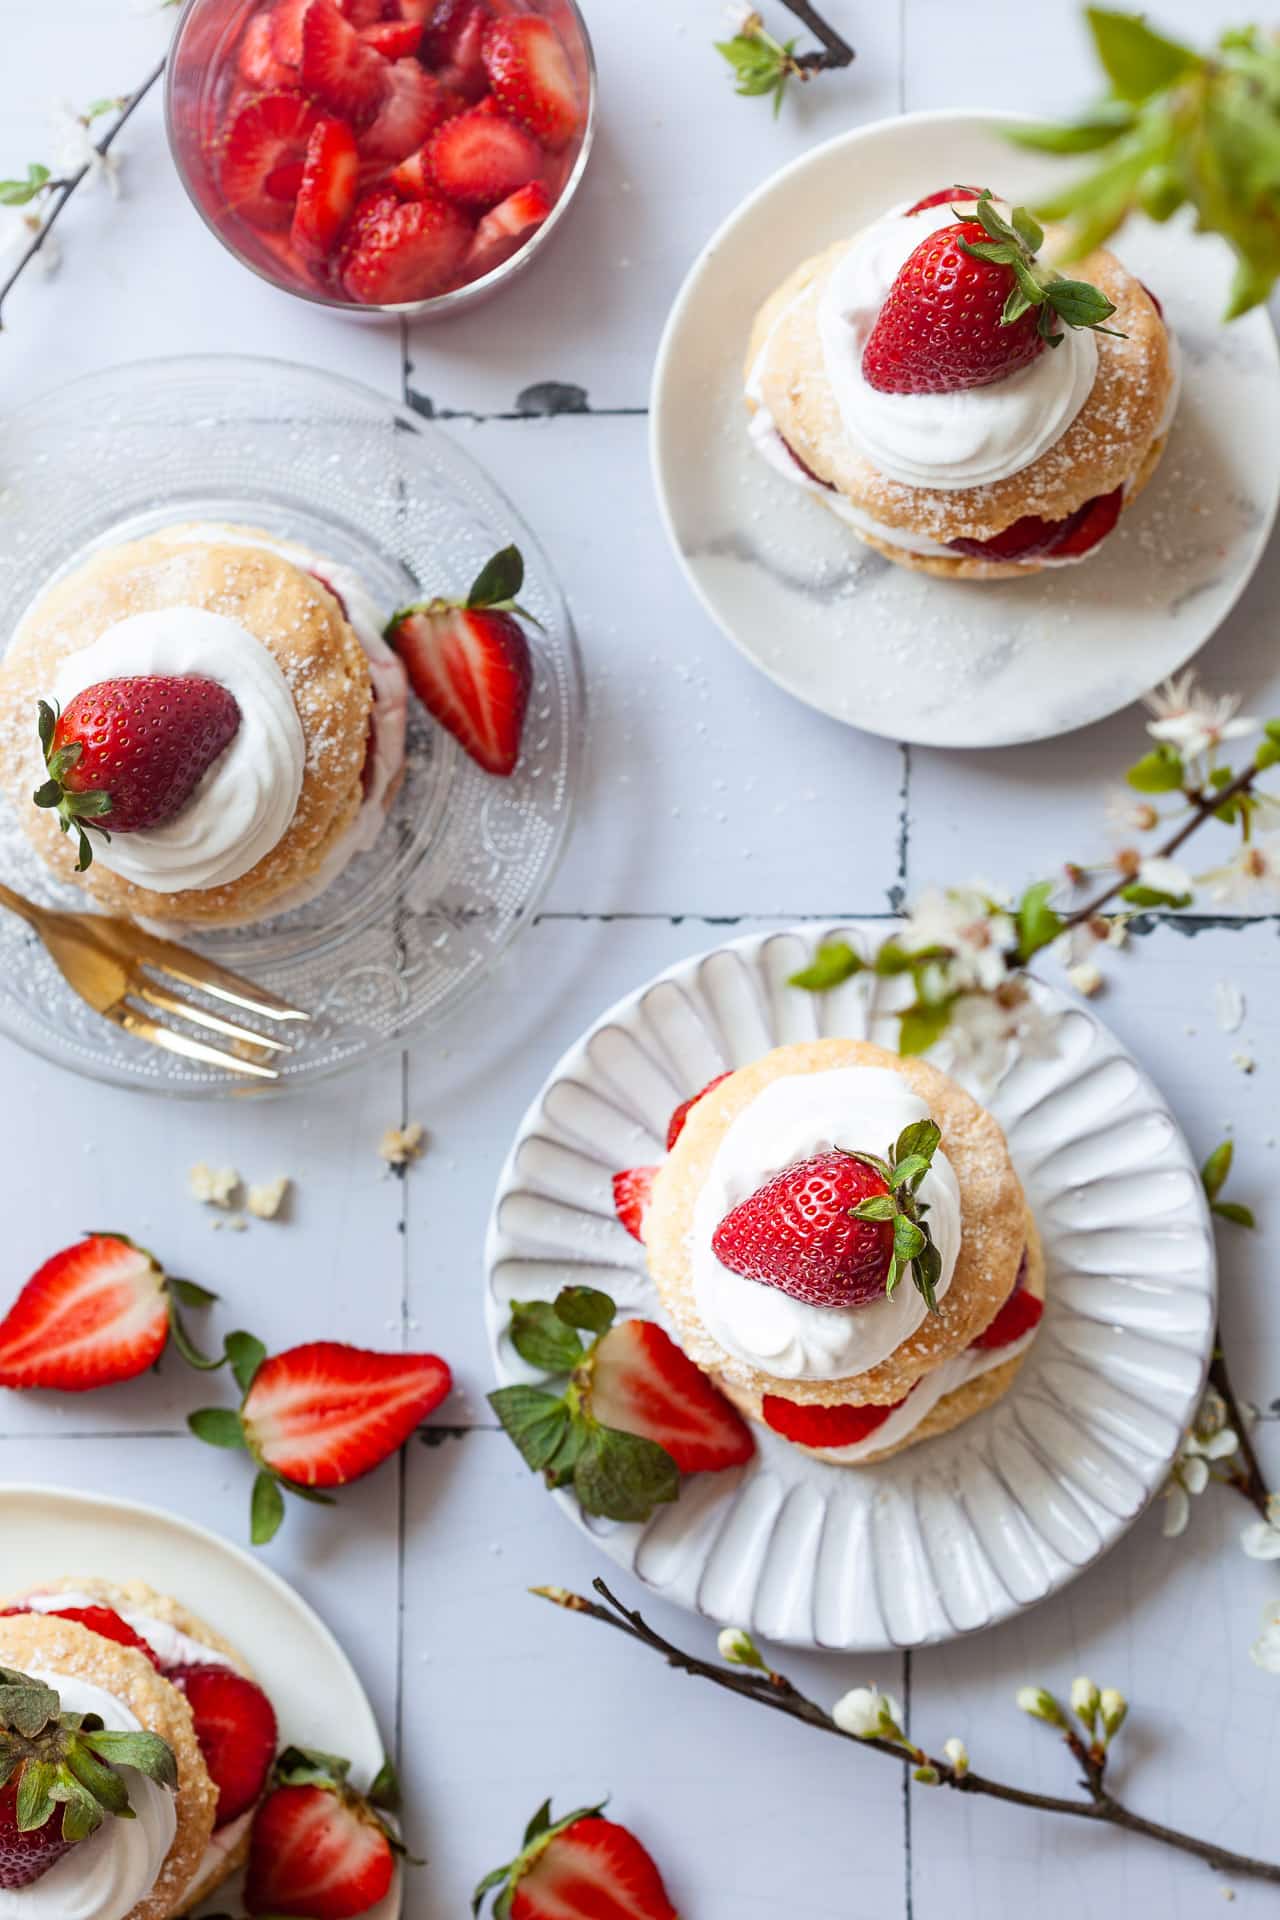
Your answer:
<point x="110" y="963"/>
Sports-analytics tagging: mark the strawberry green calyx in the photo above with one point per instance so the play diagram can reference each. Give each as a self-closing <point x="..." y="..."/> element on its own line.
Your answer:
<point x="1014" y="243"/>
<point x="78" y="811"/>
<point x="495" y="589"/>
<point x="69" y="1760"/>
<point x="903" y="1170"/>
<point x="309" y="1767"/>
<point x="538" y="1835"/>
<point x="225" y="1427"/>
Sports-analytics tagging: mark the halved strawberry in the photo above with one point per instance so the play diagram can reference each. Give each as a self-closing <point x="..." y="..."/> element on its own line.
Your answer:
<point x="411" y="250"/>
<point x="943" y="197"/>
<point x="1031" y="538"/>
<point x="675" y="1126"/>
<point x="324" y="1414"/>
<point x="100" y="1620"/>
<point x="822" y="1426"/>
<point x="642" y="1382"/>
<point x="529" y="72"/>
<point x="327" y="195"/>
<point x="1090" y="527"/>
<point x="454" y="44"/>
<point x="411" y="108"/>
<point x="507" y="225"/>
<point x="265" y="143"/>
<point x="318" y="1849"/>
<point x="632" y="1192"/>
<point x="579" y="1868"/>
<point x="285" y="20"/>
<point x="468" y="661"/>
<point x="97" y="1313"/>
<point x="258" y="60"/>
<point x="479" y="158"/>
<point x="337" y="66"/>
<point x="393" y="39"/>
<point x="1020" y="1312"/>
<point x="236" y="1729"/>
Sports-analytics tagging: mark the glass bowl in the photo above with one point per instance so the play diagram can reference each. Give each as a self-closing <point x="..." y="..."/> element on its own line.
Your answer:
<point x="201" y="63"/>
<point x="389" y="950"/>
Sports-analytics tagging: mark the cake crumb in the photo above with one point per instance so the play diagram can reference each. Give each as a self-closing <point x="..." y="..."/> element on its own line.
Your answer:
<point x="1085" y="977"/>
<point x="401" y="1146"/>
<point x="213" y="1186"/>
<point x="264" y="1202"/>
<point x="1228" y="1004"/>
<point x="1245" y="1062"/>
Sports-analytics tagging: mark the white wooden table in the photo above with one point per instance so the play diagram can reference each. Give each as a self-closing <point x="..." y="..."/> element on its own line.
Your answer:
<point x="713" y="802"/>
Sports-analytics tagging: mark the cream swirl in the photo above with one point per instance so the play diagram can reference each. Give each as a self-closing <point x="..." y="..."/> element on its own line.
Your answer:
<point x="105" y="1876"/>
<point x="863" y="1108"/>
<point x="169" y="1644"/>
<point x="948" y="440"/>
<point x="243" y="806"/>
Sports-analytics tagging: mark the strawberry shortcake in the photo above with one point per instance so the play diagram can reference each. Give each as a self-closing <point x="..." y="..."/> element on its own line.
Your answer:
<point x="208" y="721"/>
<point x="966" y="409"/>
<point x="841" y="1242"/>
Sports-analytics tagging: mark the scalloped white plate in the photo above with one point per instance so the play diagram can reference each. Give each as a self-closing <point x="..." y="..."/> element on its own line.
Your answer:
<point x="50" y="1531"/>
<point x="957" y="1533"/>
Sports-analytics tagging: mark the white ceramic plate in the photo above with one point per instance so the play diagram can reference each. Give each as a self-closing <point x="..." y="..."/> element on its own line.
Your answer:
<point x="49" y="1531"/>
<point x="955" y="663"/>
<point x="956" y="1533"/>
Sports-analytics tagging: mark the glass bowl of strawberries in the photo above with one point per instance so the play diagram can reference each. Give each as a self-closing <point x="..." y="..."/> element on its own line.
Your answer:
<point x="382" y="156"/>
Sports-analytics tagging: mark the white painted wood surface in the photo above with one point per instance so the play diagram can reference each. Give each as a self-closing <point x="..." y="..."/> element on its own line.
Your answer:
<point x="711" y="798"/>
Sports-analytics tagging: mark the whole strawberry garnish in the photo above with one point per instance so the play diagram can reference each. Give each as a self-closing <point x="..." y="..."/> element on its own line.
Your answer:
<point x="319" y="1849"/>
<point x="578" y="1868"/>
<point x="318" y="1416"/>
<point x="972" y="304"/>
<point x="132" y="751"/>
<point x="469" y="662"/>
<point x="100" y="1312"/>
<point x="236" y="1728"/>
<point x="942" y="196"/>
<point x="637" y="1412"/>
<point x="58" y="1776"/>
<point x="836" y="1230"/>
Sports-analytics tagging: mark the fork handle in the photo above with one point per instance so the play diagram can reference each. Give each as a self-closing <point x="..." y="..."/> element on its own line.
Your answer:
<point x="25" y="909"/>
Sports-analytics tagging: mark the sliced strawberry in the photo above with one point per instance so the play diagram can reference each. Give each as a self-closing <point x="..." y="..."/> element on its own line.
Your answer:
<point x="675" y="1126"/>
<point x="823" y="1426"/>
<point x="806" y="469"/>
<point x="371" y="210"/>
<point x="944" y="197"/>
<point x="529" y="72"/>
<point x="410" y="251"/>
<point x="337" y="66"/>
<point x="471" y="668"/>
<point x="91" y="1316"/>
<point x="479" y="158"/>
<point x="412" y="179"/>
<point x="642" y="1382"/>
<point x="324" y="1414"/>
<point x="258" y="60"/>
<point x="454" y="44"/>
<point x="1032" y="538"/>
<point x="361" y="13"/>
<point x="285" y="20"/>
<point x="267" y="137"/>
<point x="236" y="1729"/>
<point x="1020" y="1312"/>
<point x="393" y="39"/>
<point x="589" y="1869"/>
<point x="327" y="194"/>
<point x="104" y="1621"/>
<point x="411" y="107"/>
<point x="1094" y="522"/>
<point x="632" y="1192"/>
<point x="318" y="1852"/>
<point x="508" y="225"/>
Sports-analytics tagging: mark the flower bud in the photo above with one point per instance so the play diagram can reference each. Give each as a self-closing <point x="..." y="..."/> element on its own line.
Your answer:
<point x="868" y="1714"/>
<point x="1041" y="1705"/>
<point x="739" y="1649"/>
<point x="928" y="1776"/>
<point x="1085" y="1700"/>
<point x="958" y="1755"/>
<point x="1115" y="1709"/>
<point x="743" y="20"/>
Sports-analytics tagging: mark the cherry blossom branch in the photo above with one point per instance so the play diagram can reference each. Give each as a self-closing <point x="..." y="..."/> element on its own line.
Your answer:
<point x="1248" y="1478"/>
<point x="63" y="189"/>
<point x="775" y="1691"/>
<point x="1204" y="806"/>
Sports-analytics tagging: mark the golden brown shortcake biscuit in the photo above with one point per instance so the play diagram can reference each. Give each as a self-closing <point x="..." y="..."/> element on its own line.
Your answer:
<point x="993" y="1211"/>
<point x="41" y="1643"/>
<point x="300" y="623"/>
<point x="1114" y="441"/>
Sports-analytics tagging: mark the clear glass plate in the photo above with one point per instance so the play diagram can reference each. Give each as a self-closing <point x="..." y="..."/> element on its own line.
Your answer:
<point x="391" y="948"/>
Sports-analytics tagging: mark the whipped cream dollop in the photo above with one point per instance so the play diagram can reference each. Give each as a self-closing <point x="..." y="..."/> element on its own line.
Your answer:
<point x="105" y="1876"/>
<point x="946" y="440"/>
<point x="244" y="804"/>
<point x="859" y="1108"/>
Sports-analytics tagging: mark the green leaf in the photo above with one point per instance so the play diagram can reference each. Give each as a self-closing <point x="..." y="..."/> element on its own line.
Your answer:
<point x="1268" y="754"/>
<point x="623" y="1476"/>
<point x="1160" y="771"/>
<point x="310" y="1767"/>
<point x="1038" y="923"/>
<point x="892" y="1277"/>
<point x="1139" y="896"/>
<point x="1028" y="229"/>
<point x="27" y="1706"/>
<point x="926" y="1270"/>
<point x="1079" y="304"/>
<point x="833" y="964"/>
<point x="541" y="1337"/>
<point x="385" y="1789"/>
<point x="1098" y="128"/>
<point x="1137" y="61"/>
<point x="1272" y="730"/>
<point x="922" y="1137"/>
<point x="35" y="1801"/>
<point x="540" y="1824"/>
<point x="536" y="1421"/>
<point x="881" y="1206"/>
<point x="145" y="1752"/>
<point x="920" y="1026"/>
<point x="190" y="1294"/>
<point x="586" y="1307"/>
<point x="266" y="1509"/>
<point x="487" y="1885"/>
<point x="499" y="580"/>
<point x="908" y="1239"/>
<point x="217" y="1426"/>
<point x="246" y="1354"/>
<point x="1231" y="1210"/>
<point x="190" y="1352"/>
<point x="1213" y="1174"/>
<point x="908" y="1171"/>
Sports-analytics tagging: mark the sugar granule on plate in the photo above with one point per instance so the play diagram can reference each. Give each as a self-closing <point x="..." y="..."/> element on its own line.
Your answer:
<point x="213" y="1186"/>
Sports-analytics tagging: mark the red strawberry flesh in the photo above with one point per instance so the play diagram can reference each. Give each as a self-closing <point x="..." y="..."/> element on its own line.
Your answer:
<point x="26" y="1857"/>
<point x="814" y="1426"/>
<point x="324" y="1414"/>
<point x="797" y="1233"/>
<point x="675" y="1126"/>
<point x="593" y="1870"/>
<point x="1031" y="538"/>
<point x="943" y="198"/>
<point x="104" y="1621"/>
<point x="268" y="136"/>
<point x="93" y="1315"/>
<point x="480" y="158"/>
<point x="642" y="1382"/>
<point x="147" y="741"/>
<point x="342" y="72"/>
<point x="312" y="1855"/>
<point x="530" y="74"/>
<point x="632" y="1191"/>
<point x="412" y="106"/>
<point x="327" y="193"/>
<point x="472" y="670"/>
<point x="236" y="1728"/>
<point x="406" y="251"/>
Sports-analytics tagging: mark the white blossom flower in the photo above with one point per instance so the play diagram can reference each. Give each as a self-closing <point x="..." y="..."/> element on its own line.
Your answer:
<point x="1085" y="1699"/>
<point x="958" y="1754"/>
<point x="743" y="19"/>
<point x="977" y="931"/>
<point x="1194" y="722"/>
<point x="1040" y="1704"/>
<point x="74" y="146"/>
<point x="985" y="1028"/>
<point x="868" y="1714"/>
<point x="1165" y="876"/>
<point x="738" y="1648"/>
<point x="18" y="228"/>
<point x="1128" y="812"/>
<point x="1208" y="1439"/>
<point x="1261" y="1541"/>
<point x="1265" y="1651"/>
<point x="1255" y="869"/>
<point x="1114" y="1709"/>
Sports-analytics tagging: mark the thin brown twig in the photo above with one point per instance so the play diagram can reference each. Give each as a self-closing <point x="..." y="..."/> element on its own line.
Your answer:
<point x="1248" y="1478"/>
<point x="1203" y="808"/>
<point x="65" y="188"/>
<point x="836" y="51"/>
<point x="774" y="1690"/>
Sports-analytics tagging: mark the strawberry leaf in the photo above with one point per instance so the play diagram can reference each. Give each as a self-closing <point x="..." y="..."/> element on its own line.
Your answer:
<point x="926" y="1271"/>
<point x="385" y="1789"/>
<point x="499" y="580"/>
<point x="27" y="1706"/>
<point x="217" y="1426"/>
<point x="833" y="964"/>
<point x="538" y="1422"/>
<point x="246" y="1354"/>
<point x="586" y="1307"/>
<point x="266" y="1509"/>
<point x="881" y="1206"/>
<point x="540" y="1336"/>
<point x="922" y="1137"/>
<point x="1028" y="229"/>
<point x="623" y="1476"/>
<point x="1079" y="304"/>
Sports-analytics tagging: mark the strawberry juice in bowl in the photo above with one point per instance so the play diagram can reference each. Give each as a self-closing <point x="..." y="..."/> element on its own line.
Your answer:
<point x="376" y="156"/>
